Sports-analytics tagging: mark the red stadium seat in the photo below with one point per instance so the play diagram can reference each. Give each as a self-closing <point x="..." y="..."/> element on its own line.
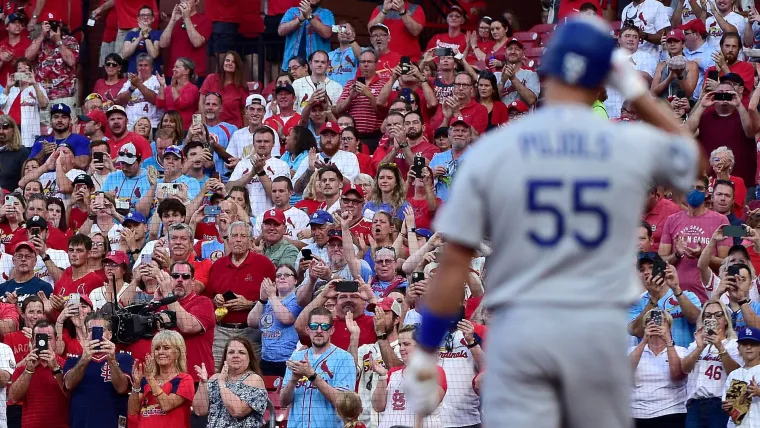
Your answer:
<point x="533" y="53"/>
<point x="545" y="37"/>
<point x="543" y="28"/>
<point x="526" y="36"/>
<point x="273" y="385"/>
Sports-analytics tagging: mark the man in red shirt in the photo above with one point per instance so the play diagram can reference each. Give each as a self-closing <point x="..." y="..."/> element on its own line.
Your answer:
<point x="286" y="117"/>
<point x="77" y="278"/>
<point x="657" y="210"/>
<point x="180" y="241"/>
<point x="413" y="144"/>
<point x="462" y="105"/>
<point x="380" y="37"/>
<point x="12" y="47"/>
<point x="195" y="314"/>
<point x="189" y="38"/>
<point x="727" y="61"/>
<point x="241" y="273"/>
<point x="405" y="21"/>
<point x="117" y="123"/>
<point x="352" y="202"/>
<point x="38" y="383"/>
<point x="454" y="38"/>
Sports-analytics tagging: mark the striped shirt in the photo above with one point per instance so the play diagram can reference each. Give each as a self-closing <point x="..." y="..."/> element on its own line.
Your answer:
<point x="367" y="119"/>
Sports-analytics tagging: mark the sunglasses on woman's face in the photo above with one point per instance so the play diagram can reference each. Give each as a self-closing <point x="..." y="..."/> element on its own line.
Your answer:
<point x="112" y="64"/>
<point x="325" y="326"/>
<point x="5" y="126"/>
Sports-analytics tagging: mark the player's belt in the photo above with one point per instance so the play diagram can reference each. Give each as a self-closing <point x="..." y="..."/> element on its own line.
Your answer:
<point x="235" y="325"/>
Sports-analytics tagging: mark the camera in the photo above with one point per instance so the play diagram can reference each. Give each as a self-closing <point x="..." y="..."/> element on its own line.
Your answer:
<point x="141" y="321"/>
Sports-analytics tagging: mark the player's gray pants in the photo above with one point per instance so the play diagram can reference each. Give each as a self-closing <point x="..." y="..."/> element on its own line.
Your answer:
<point x="551" y="367"/>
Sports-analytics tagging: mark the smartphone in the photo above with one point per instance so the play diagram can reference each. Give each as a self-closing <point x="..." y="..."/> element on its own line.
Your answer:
<point x="713" y="75"/>
<point x="42" y="341"/>
<point x="146" y="258"/>
<point x="337" y="29"/>
<point x="656" y="317"/>
<point x="405" y="64"/>
<point x="733" y="270"/>
<point x="347" y="286"/>
<point x="444" y="52"/>
<point x="711" y="326"/>
<point x="8" y="200"/>
<point x="229" y="295"/>
<point x="306" y="254"/>
<point x="208" y="146"/>
<point x="19" y="77"/>
<point x="35" y="231"/>
<point x="212" y="210"/>
<point x="418" y="166"/>
<point x="197" y="119"/>
<point x="74" y="299"/>
<point x="362" y="80"/>
<point x="658" y="268"/>
<point x="734" y="231"/>
<point x="97" y="333"/>
<point x="418" y="276"/>
<point x="99" y="156"/>
<point x="326" y="160"/>
<point x="723" y="96"/>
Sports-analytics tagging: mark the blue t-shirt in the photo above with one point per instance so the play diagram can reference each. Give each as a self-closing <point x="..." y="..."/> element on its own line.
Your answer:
<point x="94" y="402"/>
<point x="212" y="250"/>
<point x="343" y="65"/>
<point x="293" y="163"/>
<point x="682" y="331"/>
<point x="370" y="208"/>
<point x="154" y="35"/>
<point x="278" y="341"/>
<point x="26" y="289"/>
<point x="127" y="189"/>
<point x="314" y="42"/>
<point x="224" y="132"/>
<point x="738" y="317"/>
<point x="310" y="408"/>
<point x="80" y="143"/>
<point x="193" y="188"/>
<point x="446" y="160"/>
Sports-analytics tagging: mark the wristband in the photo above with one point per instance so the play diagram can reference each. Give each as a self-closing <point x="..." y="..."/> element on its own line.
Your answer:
<point x="261" y="173"/>
<point x="743" y="302"/>
<point x="433" y="328"/>
<point x="57" y="371"/>
<point x="313" y="377"/>
<point x="46" y="258"/>
<point x="263" y="302"/>
<point x="383" y="336"/>
<point x="679" y="294"/>
<point x="158" y="393"/>
<point x="404" y="12"/>
<point x="31" y="372"/>
<point x="472" y="345"/>
<point x="383" y="11"/>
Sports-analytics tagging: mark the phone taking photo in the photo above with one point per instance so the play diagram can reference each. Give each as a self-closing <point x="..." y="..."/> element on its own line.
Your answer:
<point x="656" y="316"/>
<point x="711" y="326"/>
<point x="734" y="231"/>
<point x="306" y="254"/>
<point x="347" y="286"/>
<point x="229" y="295"/>
<point x="42" y="341"/>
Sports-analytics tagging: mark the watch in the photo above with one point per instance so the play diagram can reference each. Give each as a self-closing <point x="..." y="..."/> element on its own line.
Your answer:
<point x="313" y="377"/>
<point x="57" y="371"/>
<point x="472" y="345"/>
<point x="383" y="336"/>
<point x="261" y="173"/>
<point x="46" y="258"/>
<point x="263" y="302"/>
<point x="404" y="145"/>
<point x="403" y="12"/>
<point x="744" y="302"/>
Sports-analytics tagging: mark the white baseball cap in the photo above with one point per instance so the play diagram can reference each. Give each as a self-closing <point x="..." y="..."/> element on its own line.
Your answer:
<point x="255" y="97"/>
<point x="127" y="154"/>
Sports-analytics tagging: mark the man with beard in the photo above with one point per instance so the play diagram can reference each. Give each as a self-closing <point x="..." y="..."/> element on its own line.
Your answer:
<point x="240" y="272"/>
<point x="274" y="245"/>
<point x="444" y="165"/>
<point x="413" y="145"/>
<point x="242" y="140"/>
<point x="315" y="376"/>
<point x="727" y="63"/>
<point x="462" y="104"/>
<point x="95" y="123"/>
<point x="346" y="162"/>
<point x="332" y="184"/>
<point x="304" y="34"/>
<point x="180" y="248"/>
<point x="130" y="183"/>
<point x="117" y="123"/>
<point x="304" y="87"/>
<point x="61" y="124"/>
<point x="518" y="83"/>
<point x="295" y="219"/>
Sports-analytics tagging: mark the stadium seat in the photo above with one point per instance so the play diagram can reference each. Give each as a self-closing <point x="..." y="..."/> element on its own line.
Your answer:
<point x="543" y="28"/>
<point x="526" y="36"/>
<point x="273" y="384"/>
<point x="533" y="53"/>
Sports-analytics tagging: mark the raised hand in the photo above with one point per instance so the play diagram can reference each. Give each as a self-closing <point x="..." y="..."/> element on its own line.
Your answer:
<point x="202" y="373"/>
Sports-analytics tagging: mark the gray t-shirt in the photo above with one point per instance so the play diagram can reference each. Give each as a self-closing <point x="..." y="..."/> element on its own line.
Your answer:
<point x="528" y="78"/>
<point x="561" y="203"/>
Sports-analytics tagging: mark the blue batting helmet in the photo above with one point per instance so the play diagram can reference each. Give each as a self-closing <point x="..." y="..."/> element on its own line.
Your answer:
<point x="580" y="52"/>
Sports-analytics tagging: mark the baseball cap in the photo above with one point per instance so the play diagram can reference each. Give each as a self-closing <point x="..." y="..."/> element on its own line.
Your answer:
<point x="330" y="127"/>
<point x="13" y="17"/>
<point x="695" y="25"/>
<point x="386" y="304"/>
<point x="118" y="257"/>
<point x="259" y="99"/>
<point x="116" y="109"/>
<point x="173" y="150"/>
<point x="425" y="233"/>
<point x="95" y="115"/>
<point x="458" y="120"/>
<point x="84" y="179"/>
<point x="749" y="333"/>
<point x="518" y="105"/>
<point x="441" y="132"/>
<point x="732" y="78"/>
<point x="514" y="40"/>
<point x="24" y="244"/>
<point x="60" y="108"/>
<point x="739" y="249"/>
<point x="51" y="17"/>
<point x="286" y="87"/>
<point x="350" y="187"/>
<point x="647" y="257"/>
<point x="321" y="217"/>
<point x="136" y="217"/>
<point x="274" y="215"/>
<point x="676" y="34"/>
<point x="36" y="221"/>
<point x="457" y="8"/>
<point x="127" y="154"/>
<point x="382" y="26"/>
<point x="335" y="234"/>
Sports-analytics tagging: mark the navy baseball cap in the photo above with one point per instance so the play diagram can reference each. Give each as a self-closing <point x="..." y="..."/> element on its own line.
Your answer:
<point x="647" y="257"/>
<point x="286" y="87"/>
<point x="135" y="216"/>
<point x="321" y="217"/>
<point x="749" y="333"/>
<point x="173" y="150"/>
<point x="36" y="221"/>
<point x="425" y="233"/>
<point x="60" y="108"/>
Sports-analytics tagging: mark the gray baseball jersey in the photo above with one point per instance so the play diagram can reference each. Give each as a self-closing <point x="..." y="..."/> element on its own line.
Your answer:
<point x="559" y="194"/>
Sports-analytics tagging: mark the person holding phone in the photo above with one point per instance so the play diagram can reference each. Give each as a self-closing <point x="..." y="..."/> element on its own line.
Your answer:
<point x="25" y="99"/>
<point x="98" y="400"/>
<point x="734" y="291"/>
<point x="118" y="277"/>
<point x="316" y="82"/>
<point x="663" y="292"/>
<point x="659" y="391"/>
<point x="676" y="76"/>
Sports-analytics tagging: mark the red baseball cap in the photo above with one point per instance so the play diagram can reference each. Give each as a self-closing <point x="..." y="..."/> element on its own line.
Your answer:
<point x="95" y="115"/>
<point x="275" y="215"/>
<point x="24" y="244"/>
<point x="330" y="127"/>
<point x="676" y="34"/>
<point x="386" y="304"/>
<point x="695" y="25"/>
<point x="518" y="105"/>
<point x="458" y="119"/>
<point x="353" y="188"/>
<point x="118" y="257"/>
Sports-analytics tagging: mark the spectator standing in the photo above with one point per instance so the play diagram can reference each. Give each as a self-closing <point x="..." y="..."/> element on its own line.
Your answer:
<point x="12" y="155"/>
<point x="130" y="183"/>
<point x="142" y="39"/>
<point x="139" y="93"/>
<point x="656" y="210"/>
<point x="98" y="379"/>
<point x="675" y="77"/>
<point x="228" y="84"/>
<point x="748" y="348"/>
<point x="501" y="33"/>
<point x="220" y="131"/>
<point x="56" y="54"/>
<point x="327" y="369"/>
<point x="286" y="117"/>
<point x="26" y="98"/>
<point x="444" y="165"/>
<point x="346" y="162"/>
<point x="462" y="104"/>
<point x="110" y="86"/>
<point x="182" y="94"/>
<point x="32" y="310"/>
<point x="723" y="20"/>
<point x="697" y="50"/>
<point x="387" y="60"/>
<point x="122" y="136"/>
<point x="405" y="21"/>
<point x="408" y="146"/>
<point x="518" y="83"/>
<point x="454" y="38"/>
<point x="307" y="29"/>
<point x="723" y="203"/>
<point x="740" y="74"/>
<point x="344" y="60"/>
<point x="13" y="47"/>
<point x="643" y="61"/>
<point x="241" y="143"/>
<point x="651" y="19"/>
<point x="480" y="43"/>
<point x="319" y="62"/>
<point x="443" y="82"/>
<point x="61" y="124"/>
<point x="187" y="41"/>
<point x="488" y="96"/>
<point x="722" y="162"/>
<point x="349" y="140"/>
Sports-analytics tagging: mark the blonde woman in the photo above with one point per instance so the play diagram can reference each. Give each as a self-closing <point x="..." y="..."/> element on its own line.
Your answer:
<point x="710" y="358"/>
<point x="12" y="154"/>
<point x="659" y="387"/>
<point x="163" y="391"/>
<point x="144" y="128"/>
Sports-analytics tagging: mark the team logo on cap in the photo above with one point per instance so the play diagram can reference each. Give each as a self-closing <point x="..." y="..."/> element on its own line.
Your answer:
<point x="748" y="332"/>
<point x="315" y="215"/>
<point x="573" y="67"/>
<point x="50" y="16"/>
<point x="35" y="218"/>
<point x="59" y="106"/>
<point x="271" y="212"/>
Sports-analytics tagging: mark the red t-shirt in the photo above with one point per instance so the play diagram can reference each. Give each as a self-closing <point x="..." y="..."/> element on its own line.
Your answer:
<point x="151" y="415"/>
<point x="224" y="10"/>
<point x="108" y="92"/>
<point x="251" y="21"/>
<point x="341" y="337"/>
<point x="385" y="65"/>
<point x="569" y="7"/>
<point x="45" y="404"/>
<point x="180" y="46"/>
<point x="279" y="7"/>
<point x="141" y="144"/>
<point x="111" y="28"/>
<point x="19" y="344"/>
<point x="127" y="11"/>
<point x="233" y="98"/>
<point x="402" y="41"/>
<point x="17" y="51"/>
<point x="747" y="72"/>
<point x="244" y="280"/>
<point x="363" y="227"/>
<point x="474" y="114"/>
<point x="186" y="104"/>
<point x="656" y="218"/>
<point x="9" y="311"/>
<point x="310" y="205"/>
<point x="485" y="45"/>
<point x="84" y="285"/>
<point x="77" y="217"/>
<point x="139" y="350"/>
<point x="443" y="40"/>
<point x="716" y="131"/>
<point x="422" y="216"/>
<point x="71" y="345"/>
<point x="205" y="232"/>
<point x="6" y="235"/>
<point x="57" y="240"/>
<point x="199" y="344"/>
<point x="423" y="148"/>
<point x="365" y="164"/>
<point x="499" y="114"/>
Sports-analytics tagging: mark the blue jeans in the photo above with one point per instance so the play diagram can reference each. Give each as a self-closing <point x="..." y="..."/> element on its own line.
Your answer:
<point x="705" y="413"/>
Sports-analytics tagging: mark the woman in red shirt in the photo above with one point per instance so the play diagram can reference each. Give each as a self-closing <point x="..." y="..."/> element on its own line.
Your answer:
<point x="349" y="142"/>
<point x="229" y="83"/>
<point x="481" y="43"/>
<point x="110" y="86"/>
<point x="70" y="327"/>
<point x="182" y="95"/>
<point x="12" y="216"/>
<point x="501" y="32"/>
<point x="488" y="96"/>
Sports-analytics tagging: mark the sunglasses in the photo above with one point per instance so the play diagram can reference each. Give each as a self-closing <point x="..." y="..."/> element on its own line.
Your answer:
<point x="127" y="155"/>
<point x="284" y="275"/>
<point x="325" y="326"/>
<point x="112" y="64"/>
<point x="181" y="275"/>
<point x="349" y="201"/>
<point x="5" y="126"/>
<point x="647" y="255"/>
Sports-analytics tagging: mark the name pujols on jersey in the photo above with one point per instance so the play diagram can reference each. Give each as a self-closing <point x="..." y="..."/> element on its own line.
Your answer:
<point x="569" y="143"/>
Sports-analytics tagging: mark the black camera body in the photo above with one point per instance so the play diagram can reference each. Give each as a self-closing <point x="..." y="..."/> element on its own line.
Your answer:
<point x="140" y="321"/>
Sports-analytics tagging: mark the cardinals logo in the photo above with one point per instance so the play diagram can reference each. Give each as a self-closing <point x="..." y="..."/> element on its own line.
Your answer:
<point x="643" y="21"/>
<point x="289" y="221"/>
<point x="326" y="370"/>
<point x="269" y="168"/>
<point x="673" y="301"/>
<point x="137" y="192"/>
<point x="304" y="100"/>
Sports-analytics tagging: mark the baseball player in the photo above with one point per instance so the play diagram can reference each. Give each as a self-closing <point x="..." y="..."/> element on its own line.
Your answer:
<point x="559" y="195"/>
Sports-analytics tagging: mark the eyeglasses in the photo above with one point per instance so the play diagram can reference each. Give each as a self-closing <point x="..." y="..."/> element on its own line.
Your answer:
<point x="111" y="265"/>
<point x="93" y="96"/>
<point x="713" y="315"/>
<point x="145" y="15"/>
<point x="181" y="275"/>
<point x="112" y="64"/>
<point x="463" y="85"/>
<point x="384" y="262"/>
<point x="351" y="201"/>
<point x="5" y="126"/>
<point x="325" y="326"/>
<point x="127" y="155"/>
<point x="347" y="139"/>
<point x="294" y="67"/>
<point x="99" y="244"/>
<point x="284" y="275"/>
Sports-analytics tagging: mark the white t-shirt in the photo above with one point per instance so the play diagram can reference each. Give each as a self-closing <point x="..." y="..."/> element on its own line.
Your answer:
<point x="7" y="363"/>
<point x="641" y="61"/>
<point x="305" y="87"/>
<point x="347" y="164"/>
<point x="752" y="418"/>
<point x="50" y="183"/>
<point x="687" y="15"/>
<point x="295" y="221"/>
<point x="655" y="394"/>
<point x="460" y="406"/>
<point x="138" y="106"/>
<point x="396" y="412"/>
<point x="368" y="380"/>
<point x="241" y="144"/>
<point x="30" y="111"/>
<point x="707" y="378"/>
<point x="650" y="17"/>
<point x="58" y="257"/>
<point x="113" y="235"/>
<point x="714" y="32"/>
<point x="274" y="168"/>
<point x="98" y="295"/>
